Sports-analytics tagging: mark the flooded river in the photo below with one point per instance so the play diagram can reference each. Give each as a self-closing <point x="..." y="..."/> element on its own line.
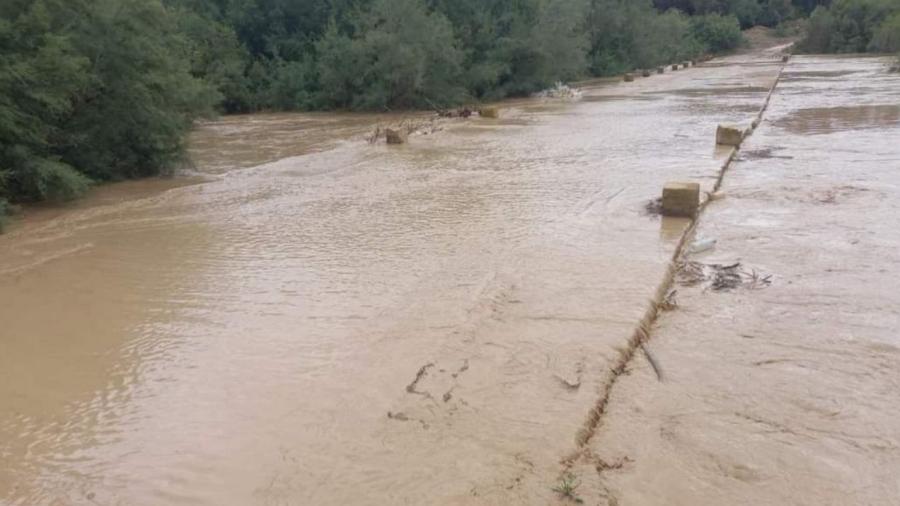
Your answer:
<point x="310" y="319"/>
<point x="780" y="387"/>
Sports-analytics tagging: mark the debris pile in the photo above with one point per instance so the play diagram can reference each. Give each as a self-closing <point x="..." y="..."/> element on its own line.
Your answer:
<point x="560" y="91"/>
<point x="653" y="207"/>
<point x="462" y="112"/>
<point x="399" y="133"/>
<point x="719" y="277"/>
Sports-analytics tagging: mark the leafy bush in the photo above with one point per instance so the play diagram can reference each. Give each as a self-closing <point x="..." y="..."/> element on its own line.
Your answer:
<point x="91" y="90"/>
<point x="52" y="180"/>
<point x="717" y="32"/>
<point x="291" y="82"/>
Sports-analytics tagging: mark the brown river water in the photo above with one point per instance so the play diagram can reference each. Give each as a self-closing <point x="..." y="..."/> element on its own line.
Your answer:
<point x="783" y="389"/>
<point x="308" y="319"/>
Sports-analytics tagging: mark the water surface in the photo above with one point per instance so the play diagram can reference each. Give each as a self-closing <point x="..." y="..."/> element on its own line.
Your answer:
<point x="311" y="319"/>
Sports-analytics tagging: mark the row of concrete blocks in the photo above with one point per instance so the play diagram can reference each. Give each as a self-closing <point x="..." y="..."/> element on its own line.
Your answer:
<point x="629" y="76"/>
<point x="682" y="199"/>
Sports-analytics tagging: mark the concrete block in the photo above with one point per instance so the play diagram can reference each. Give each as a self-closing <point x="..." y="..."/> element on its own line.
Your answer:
<point x="645" y="73"/>
<point x="675" y="67"/>
<point x="629" y="77"/>
<point x="394" y="136"/>
<point x="680" y="199"/>
<point x="489" y="112"/>
<point x="729" y="135"/>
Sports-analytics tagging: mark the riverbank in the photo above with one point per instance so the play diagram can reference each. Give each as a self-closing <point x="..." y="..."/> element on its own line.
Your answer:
<point x="779" y="374"/>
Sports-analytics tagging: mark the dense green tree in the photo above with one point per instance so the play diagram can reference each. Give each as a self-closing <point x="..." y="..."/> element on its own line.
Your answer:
<point x="217" y="57"/>
<point x="142" y="99"/>
<point x="627" y="34"/>
<point x="612" y="28"/>
<point x="717" y="32"/>
<point x="40" y="74"/>
<point x="93" y="90"/>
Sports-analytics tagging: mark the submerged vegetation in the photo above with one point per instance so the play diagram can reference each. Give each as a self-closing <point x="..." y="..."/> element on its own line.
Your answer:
<point x="99" y="90"/>
<point x="567" y="488"/>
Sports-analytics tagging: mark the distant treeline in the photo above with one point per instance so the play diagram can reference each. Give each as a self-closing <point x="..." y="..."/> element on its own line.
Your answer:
<point x="854" y="26"/>
<point x="385" y="54"/>
<point x="97" y="90"/>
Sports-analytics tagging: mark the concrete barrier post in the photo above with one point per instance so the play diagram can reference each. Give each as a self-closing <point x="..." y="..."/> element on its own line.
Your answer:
<point x="729" y="135"/>
<point x="680" y="199"/>
<point x="489" y="112"/>
<point x="394" y="136"/>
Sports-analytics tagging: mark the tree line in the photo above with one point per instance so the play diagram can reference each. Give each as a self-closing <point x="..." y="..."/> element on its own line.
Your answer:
<point x="386" y="54"/>
<point x="854" y="26"/>
<point x="99" y="90"/>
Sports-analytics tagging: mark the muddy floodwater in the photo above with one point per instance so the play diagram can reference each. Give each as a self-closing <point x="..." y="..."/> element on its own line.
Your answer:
<point x="780" y="366"/>
<point x="305" y="318"/>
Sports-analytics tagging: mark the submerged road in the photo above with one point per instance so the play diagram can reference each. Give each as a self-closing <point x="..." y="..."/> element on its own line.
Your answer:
<point x="784" y="391"/>
<point x="311" y="319"/>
